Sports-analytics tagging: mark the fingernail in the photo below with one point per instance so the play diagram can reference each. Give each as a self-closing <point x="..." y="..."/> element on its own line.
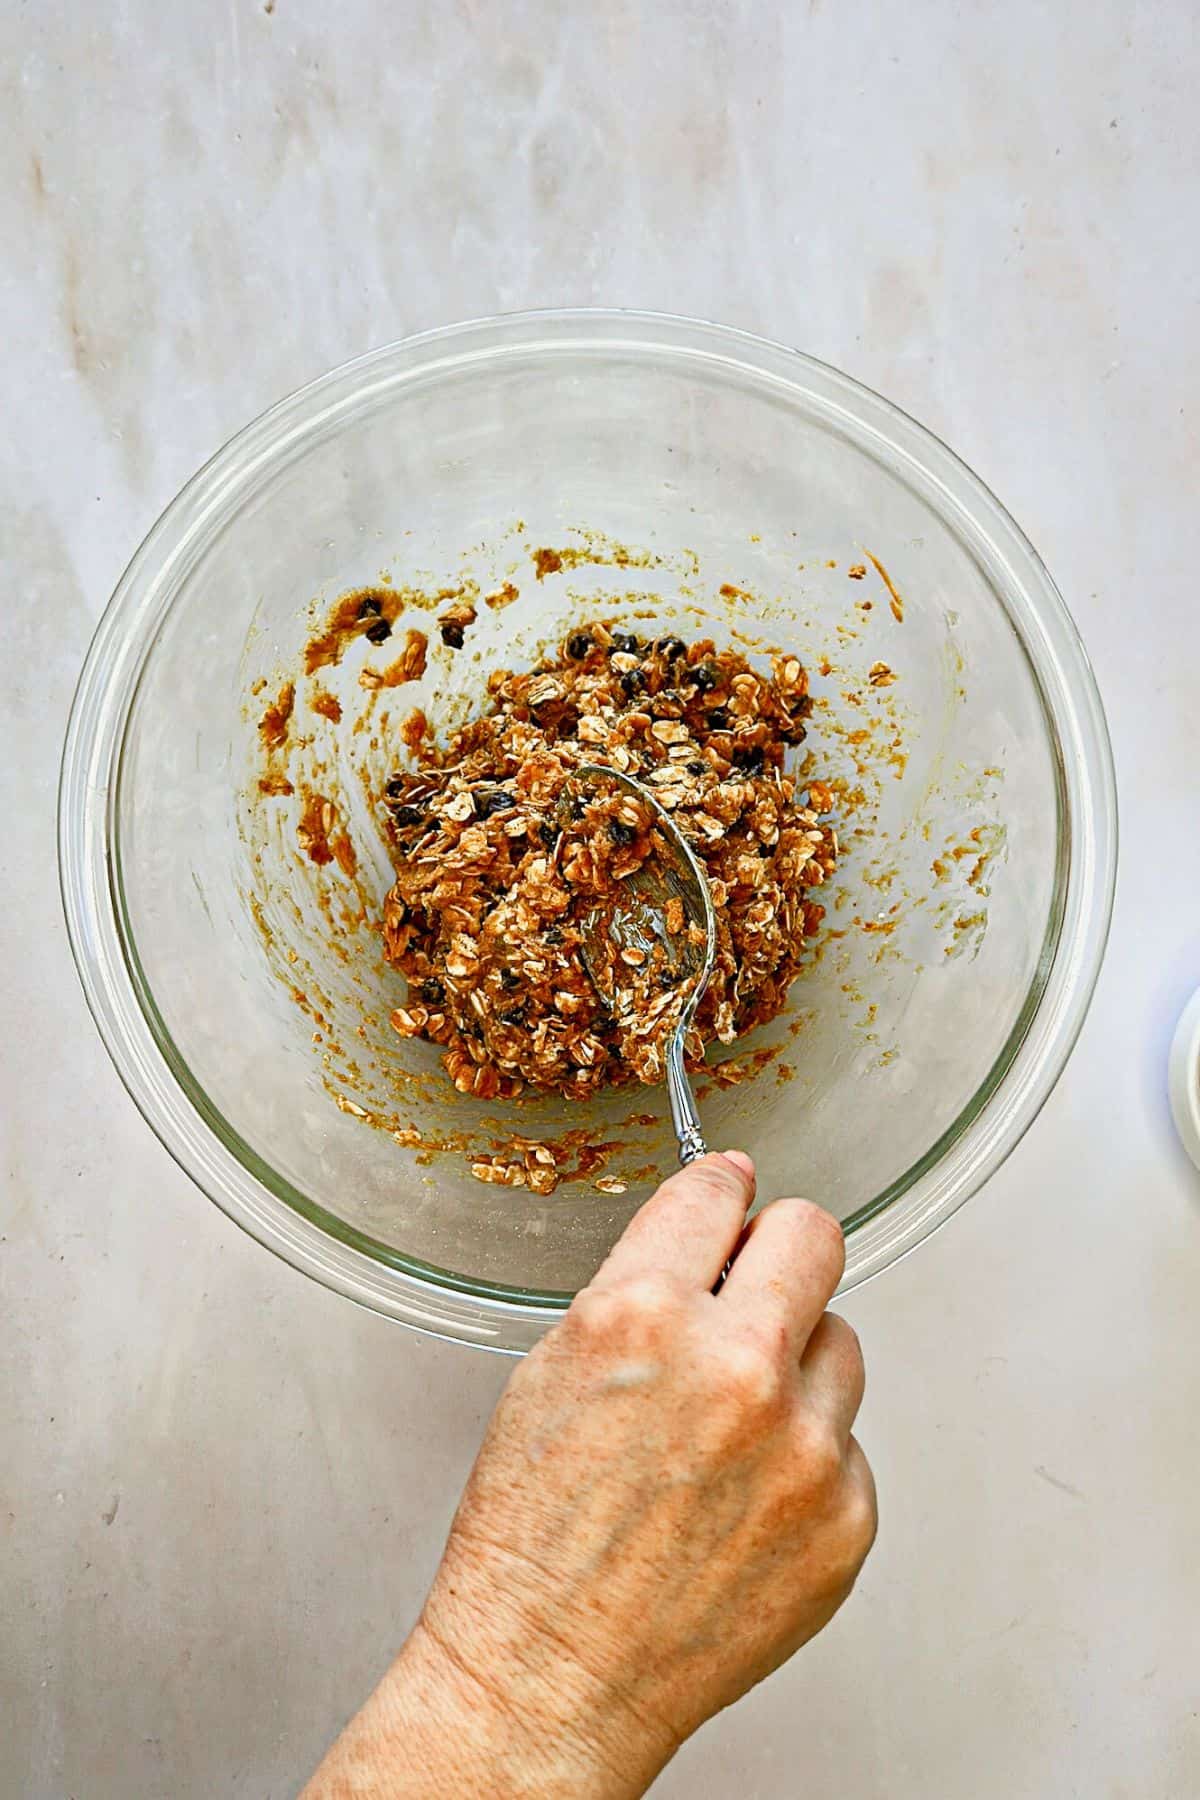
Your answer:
<point x="741" y="1161"/>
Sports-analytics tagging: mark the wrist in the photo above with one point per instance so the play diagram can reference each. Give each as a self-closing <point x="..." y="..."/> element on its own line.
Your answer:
<point x="500" y="1724"/>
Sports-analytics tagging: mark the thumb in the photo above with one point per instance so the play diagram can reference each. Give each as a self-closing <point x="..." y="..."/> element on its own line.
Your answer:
<point x="690" y="1227"/>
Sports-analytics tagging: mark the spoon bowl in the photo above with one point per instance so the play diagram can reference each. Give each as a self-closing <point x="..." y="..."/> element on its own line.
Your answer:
<point x="662" y="917"/>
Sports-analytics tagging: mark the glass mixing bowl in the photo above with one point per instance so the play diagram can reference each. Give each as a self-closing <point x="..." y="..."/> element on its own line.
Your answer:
<point x="687" y="475"/>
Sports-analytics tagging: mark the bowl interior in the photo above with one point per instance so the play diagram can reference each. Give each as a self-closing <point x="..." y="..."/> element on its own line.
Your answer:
<point x="684" y="489"/>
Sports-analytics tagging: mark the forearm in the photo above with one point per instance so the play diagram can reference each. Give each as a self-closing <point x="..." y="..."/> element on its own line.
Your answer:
<point x="433" y="1728"/>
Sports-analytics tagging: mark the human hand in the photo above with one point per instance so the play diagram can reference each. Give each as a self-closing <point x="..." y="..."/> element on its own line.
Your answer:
<point x="667" y="1504"/>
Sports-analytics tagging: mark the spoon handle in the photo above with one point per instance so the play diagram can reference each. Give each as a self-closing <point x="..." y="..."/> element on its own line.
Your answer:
<point x="683" y="1106"/>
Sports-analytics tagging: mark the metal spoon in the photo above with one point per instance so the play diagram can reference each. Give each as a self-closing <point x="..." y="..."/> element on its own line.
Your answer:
<point x="636" y="919"/>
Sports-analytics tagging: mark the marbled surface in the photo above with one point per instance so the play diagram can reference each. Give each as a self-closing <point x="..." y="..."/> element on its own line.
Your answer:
<point x="222" y="1490"/>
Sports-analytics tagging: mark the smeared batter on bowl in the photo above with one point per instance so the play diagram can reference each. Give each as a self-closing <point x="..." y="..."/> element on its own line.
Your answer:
<point x="494" y="879"/>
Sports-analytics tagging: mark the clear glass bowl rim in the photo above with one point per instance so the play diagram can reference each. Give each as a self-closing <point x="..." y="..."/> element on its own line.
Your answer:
<point x="1016" y="1088"/>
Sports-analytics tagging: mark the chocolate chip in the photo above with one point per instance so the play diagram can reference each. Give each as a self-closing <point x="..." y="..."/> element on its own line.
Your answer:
<point x="493" y="800"/>
<point x="671" y="648"/>
<point x="515" y="1015"/>
<point x="369" y="608"/>
<point x="552" y="936"/>
<point x="705" y="677"/>
<point x="407" y="815"/>
<point x="578" y="645"/>
<point x="624" y="642"/>
<point x="621" y="833"/>
<point x="749" y="757"/>
<point x="509" y="980"/>
<point x="379" y="632"/>
<point x="548" y="834"/>
<point x="632" y="683"/>
<point x="432" y="992"/>
<point x="395" y="787"/>
<point x="765" y="850"/>
<point x="452" y="635"/>
<point x="718" y="719"/>
<point x="697" y="768"/>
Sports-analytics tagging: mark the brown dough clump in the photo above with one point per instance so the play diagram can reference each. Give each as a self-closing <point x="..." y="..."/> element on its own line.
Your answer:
<point x="494" y="877"/>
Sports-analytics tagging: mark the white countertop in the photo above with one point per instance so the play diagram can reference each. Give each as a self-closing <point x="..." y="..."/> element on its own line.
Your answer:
<point x="222" y="1489"/>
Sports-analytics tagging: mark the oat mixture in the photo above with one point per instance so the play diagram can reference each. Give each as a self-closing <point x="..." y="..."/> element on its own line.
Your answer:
<point x="500" y="861"/>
